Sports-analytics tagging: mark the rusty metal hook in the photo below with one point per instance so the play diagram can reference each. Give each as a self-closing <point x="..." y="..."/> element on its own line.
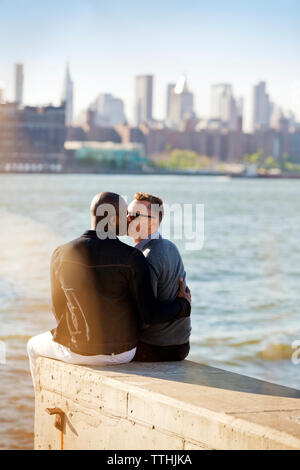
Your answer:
<point x="59" y="417"/>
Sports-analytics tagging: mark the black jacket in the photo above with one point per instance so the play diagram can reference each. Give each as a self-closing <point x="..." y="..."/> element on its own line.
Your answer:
<point x="102" y="295"/>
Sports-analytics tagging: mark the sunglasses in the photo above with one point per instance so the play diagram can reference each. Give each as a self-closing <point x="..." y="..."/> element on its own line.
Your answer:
<point x="134" y="215"/>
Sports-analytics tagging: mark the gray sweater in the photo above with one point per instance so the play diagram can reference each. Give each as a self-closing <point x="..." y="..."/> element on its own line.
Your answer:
<point x="166" y="267"/>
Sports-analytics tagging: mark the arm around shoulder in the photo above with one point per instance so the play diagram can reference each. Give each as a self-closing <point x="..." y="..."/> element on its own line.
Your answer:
<point x="150" y="310"/>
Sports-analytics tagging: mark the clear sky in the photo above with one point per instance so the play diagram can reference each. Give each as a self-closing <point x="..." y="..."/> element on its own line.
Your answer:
<point x="108" y="42"/>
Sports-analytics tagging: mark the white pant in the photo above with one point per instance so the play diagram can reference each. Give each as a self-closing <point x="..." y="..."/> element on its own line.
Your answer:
<point x="43" y="345"/>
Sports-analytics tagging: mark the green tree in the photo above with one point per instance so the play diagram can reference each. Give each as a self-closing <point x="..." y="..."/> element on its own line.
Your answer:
<point x="270" y="163"/>
<point x="254" y="158"/>
<point x="292" y="167"/>
<point x="184" y="160"/>
<point x="283" y="162"/>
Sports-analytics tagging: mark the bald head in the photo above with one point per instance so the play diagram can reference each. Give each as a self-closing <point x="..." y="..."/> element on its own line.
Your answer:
<point x="108" y="213"/>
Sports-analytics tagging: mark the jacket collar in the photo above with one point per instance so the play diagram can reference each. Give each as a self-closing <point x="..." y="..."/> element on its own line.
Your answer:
<point x="153" y="236"/>
<point x="99" y="236"/>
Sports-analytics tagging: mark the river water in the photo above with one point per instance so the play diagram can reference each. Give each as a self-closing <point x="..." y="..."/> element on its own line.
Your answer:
<point x="245" y="280"/>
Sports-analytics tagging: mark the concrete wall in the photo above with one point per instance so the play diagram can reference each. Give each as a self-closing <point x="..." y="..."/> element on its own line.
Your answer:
<point x="162" y="406"/>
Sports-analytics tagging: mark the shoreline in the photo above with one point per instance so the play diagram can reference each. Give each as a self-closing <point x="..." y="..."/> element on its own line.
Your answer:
<point x="154" y="173"/>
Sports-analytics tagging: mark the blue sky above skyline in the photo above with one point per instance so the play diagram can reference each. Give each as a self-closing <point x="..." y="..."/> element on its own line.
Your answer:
<point x="108" y="43"/>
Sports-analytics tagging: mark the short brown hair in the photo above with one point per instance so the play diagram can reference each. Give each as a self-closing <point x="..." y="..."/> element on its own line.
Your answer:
<point x="140" y="196"/>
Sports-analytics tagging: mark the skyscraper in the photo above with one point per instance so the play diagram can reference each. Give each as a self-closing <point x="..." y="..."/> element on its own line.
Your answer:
<point x="262" y="107"/>
<point x="221" y="101"/>
<point x="143" y="98"/>
<point x="109" y="110"/>
<point x="67" y="96"/>
<point x="181" y="103"/>
<point x="19" y="80"/>
<point x="170" y="89"/>
<point x="225" y="107"/>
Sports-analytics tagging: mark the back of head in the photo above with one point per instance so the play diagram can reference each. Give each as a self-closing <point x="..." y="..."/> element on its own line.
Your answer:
<point x="108" y="213"/>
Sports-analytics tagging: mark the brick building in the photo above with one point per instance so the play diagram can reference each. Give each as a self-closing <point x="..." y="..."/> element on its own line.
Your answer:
<point x="31" y="135"/>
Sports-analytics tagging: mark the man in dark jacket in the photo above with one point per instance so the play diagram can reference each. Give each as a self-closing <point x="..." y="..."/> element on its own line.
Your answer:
<point x="102" y="294"/>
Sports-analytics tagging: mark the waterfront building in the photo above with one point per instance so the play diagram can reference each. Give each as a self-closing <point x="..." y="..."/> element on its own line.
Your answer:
<point x="132" y="134"/>
<point x="31" y="135"/>
<point x="105" y="155"/>
<point x="215" y="141"/>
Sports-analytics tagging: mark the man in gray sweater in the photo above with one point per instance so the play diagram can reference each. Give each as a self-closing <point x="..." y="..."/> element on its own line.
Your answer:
<point x="163" y="341"/>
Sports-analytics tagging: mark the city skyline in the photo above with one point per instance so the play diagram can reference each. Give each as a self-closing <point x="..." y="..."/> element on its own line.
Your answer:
<point x="107" y="45"/>
<point x="226" y="110"/>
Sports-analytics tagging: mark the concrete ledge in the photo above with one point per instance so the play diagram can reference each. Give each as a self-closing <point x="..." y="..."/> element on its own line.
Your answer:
<point x="182" y="405"/>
